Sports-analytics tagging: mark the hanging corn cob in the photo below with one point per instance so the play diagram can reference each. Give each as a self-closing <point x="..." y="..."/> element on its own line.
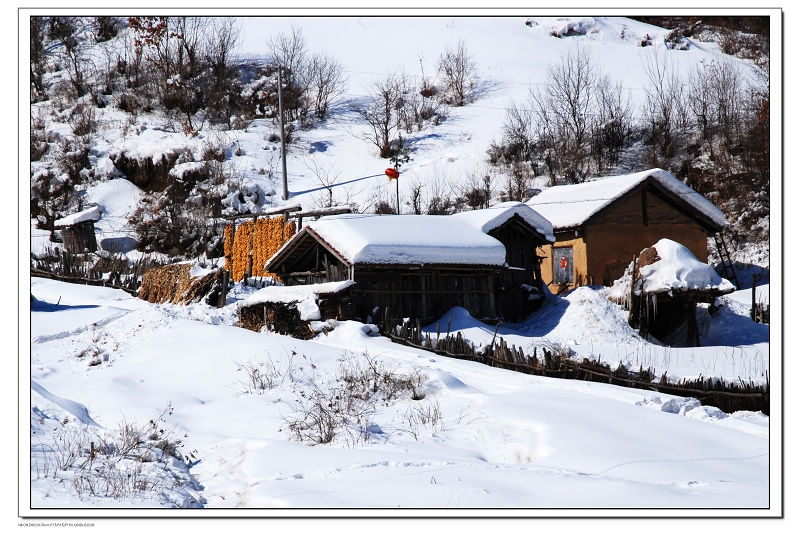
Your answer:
<point x="228" y="247"/>
<point x="268" y="235"/>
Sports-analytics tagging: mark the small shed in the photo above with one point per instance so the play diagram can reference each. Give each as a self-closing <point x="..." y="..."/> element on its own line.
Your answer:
<point x="600" y="225"/>
<point x="292" y="310"/>
<point x="662" y="290"/>
<point x="420" y="266"/>
<point x="77" y="230"/>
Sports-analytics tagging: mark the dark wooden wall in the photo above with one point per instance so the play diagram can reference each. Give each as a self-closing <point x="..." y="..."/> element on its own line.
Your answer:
<point x="424" y="292"/>
<point x="79" y="237"/>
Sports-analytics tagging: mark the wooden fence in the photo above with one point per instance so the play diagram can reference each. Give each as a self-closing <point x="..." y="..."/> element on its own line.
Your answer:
<point x="554" y="361"/>
<point x="113" y="271"/>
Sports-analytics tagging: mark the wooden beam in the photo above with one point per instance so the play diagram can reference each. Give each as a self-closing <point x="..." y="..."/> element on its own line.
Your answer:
<point x="335" y="210"/>
<point x="268" y="212"/>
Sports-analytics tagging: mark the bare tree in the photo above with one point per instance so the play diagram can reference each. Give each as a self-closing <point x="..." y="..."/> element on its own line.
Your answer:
<point x="701" y="101"/>
<point x="222" y="36"/>
<point x="38" y="58"/>
<point x="563" y="108"/>
<point x="328" y="178"/>
<point x="662" y="101"/>
<point x="65" y="30"/>
<point x="611" y="123"/>
<point x="326" y="81"/>
<point x="460" y="73"/>
<point x="288" y="51"/>
<point x="728" y="92"/>
<point x="379" y="111"/>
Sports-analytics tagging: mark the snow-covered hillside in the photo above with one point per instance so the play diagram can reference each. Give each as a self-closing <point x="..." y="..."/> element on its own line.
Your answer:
<point x="479" y="436"/>
<point x="331" y="162"/>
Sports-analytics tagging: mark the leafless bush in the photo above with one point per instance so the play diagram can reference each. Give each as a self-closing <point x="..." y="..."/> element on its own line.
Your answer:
<point x="460" y="73"/>
<point x="344" y="407"/>
<point x="83" y="120"/>
<point x="132" y="461"/>
<point x="424" y="416"/>
<point x="261" y="376"/>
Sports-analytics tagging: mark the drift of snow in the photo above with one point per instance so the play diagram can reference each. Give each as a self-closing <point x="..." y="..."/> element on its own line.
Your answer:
<point x="567" y="206"/>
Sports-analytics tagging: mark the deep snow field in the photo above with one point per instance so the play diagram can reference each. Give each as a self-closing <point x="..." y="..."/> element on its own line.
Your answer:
<point x="480" y="438"/>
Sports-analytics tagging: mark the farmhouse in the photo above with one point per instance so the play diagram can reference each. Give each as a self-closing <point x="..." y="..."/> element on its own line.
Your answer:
<point x="422" y="265"/>
<point x="77" y="230"/>
<point x="600" y="225"/>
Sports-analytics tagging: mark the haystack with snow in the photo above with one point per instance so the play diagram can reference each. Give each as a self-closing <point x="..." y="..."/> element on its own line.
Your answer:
<point x="662" y="289"/>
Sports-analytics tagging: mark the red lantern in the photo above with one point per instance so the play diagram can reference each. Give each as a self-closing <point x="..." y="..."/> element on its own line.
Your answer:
<point x="392" y="173"/>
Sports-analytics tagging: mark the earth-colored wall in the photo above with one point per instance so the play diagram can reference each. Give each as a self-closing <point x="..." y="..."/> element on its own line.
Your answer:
<point x="579" y="259"/>
<point x="609" y="243"/>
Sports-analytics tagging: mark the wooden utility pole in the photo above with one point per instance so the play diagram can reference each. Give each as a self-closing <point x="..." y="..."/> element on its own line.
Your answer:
<point x="285" y="195"/>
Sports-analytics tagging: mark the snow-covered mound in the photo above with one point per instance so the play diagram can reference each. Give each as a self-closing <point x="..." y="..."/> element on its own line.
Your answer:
<point x="677" y="269"/>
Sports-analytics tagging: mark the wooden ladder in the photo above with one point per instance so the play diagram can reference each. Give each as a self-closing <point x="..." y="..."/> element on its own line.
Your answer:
<point x="725" y="259"/>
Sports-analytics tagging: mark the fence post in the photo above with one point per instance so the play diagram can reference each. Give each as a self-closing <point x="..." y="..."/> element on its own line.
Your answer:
<point x="632" y="318"/>
<point x="753" y="300"/>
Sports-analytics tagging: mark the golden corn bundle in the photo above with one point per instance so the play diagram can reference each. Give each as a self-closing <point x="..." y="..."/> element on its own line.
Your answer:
<point x="241" y="250"/>
<point x="228" y="246"/>
<point x="269" y="234"/>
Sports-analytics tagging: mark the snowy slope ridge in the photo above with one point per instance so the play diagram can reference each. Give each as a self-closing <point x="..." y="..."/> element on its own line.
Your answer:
<point x="480" y="436"/>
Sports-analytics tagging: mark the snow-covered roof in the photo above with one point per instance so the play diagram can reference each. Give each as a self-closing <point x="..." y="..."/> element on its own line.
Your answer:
<point x="93" y="213"/>
<point x="676" y="270"/>
<point x="408" y="239"/>
<point x="425" y="239"/>
<point x="488" y="219"/>
<point x="568" y="206"/>
<point x="304" y="296"/>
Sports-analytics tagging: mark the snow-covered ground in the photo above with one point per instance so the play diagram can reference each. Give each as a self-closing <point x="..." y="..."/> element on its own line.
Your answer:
<point x="480" y="437"/>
